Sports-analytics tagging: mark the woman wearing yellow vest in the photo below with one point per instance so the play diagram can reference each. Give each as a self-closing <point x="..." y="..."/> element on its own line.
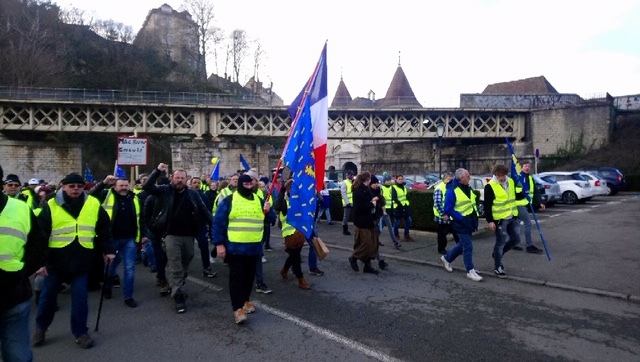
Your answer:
<point x="460" y="206"/>
<point x="237" y="234"/>
<point x="290" y="233"/>
<point x="501" y="212"/>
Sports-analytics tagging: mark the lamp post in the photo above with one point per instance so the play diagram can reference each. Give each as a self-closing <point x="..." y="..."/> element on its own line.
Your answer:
<point x="440" y="131"/>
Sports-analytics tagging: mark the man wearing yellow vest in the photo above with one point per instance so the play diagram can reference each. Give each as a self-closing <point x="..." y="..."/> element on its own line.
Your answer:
<point x="387" y="210"/>
<point x="460" y="206"/>
<point x="23" y="248"/>
<point x="529" y="188"/>
<point x="77" y="227"/>
<point x="237" y="234"/>
<point x="347" y="200"/>
<point x="30" y="193"/>
<point x="444" y="224"/>
<point x="12" y="189"/>
<point x="401" y="208"/>
<point x="123" y="208"/>
<point x="502" y="215"/>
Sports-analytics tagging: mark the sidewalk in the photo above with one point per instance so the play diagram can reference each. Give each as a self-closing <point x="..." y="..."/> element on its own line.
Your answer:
<point x="521" y="266"/>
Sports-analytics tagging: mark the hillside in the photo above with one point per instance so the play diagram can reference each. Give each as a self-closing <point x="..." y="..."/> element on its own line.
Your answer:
<point x="622" y="153"/>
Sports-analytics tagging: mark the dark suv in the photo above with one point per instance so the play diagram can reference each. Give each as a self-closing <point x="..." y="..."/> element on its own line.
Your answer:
<point x="613" y="176"/>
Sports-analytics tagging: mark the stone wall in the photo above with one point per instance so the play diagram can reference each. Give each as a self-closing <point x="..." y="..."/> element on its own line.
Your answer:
<point x="43" y="160"/>
<point x="558" y="128"/>
<point x="522" y="101"/>
<point x="195" y="157"/>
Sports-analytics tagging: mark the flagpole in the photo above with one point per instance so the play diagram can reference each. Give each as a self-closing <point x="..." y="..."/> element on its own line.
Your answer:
<point x="115" y="168"/>
<point x="295" y="121"/>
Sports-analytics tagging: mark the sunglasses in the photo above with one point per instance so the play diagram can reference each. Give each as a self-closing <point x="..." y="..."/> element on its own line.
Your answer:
<point x="75" y="186"/>
<point x="13" y="185"/>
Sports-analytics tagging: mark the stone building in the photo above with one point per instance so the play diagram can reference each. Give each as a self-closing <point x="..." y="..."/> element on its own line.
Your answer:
<point x="175" y="35"/>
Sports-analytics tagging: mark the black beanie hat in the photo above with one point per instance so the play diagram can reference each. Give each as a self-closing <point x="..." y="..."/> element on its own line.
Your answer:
<point x="374" y="180"/>
<point x="72" y="178"/>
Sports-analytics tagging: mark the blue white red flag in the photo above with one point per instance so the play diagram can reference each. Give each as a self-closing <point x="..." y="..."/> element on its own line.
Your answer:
<point x="244" y="164"/>
<point x="306" y="149"/>
<point x="318" y="99"/>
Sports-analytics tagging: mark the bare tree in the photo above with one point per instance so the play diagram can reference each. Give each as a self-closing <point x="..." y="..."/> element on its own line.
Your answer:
<point x="114" y="31"/>
<point x="202" y="14"/>
<point x="75" y="16"/>
<point x="257" y="58"/>
<point x="239" y="50"/>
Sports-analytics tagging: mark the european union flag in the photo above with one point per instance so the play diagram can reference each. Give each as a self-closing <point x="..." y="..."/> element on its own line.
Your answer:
<point x="299" y="157"/>
<point x="215" y="174"/>
<point x="120" y="172"/>
<point x="244" y="163"/>
<point x="88" y="176"/>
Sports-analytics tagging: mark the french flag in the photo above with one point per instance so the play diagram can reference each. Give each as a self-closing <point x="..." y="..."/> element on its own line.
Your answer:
<point x="318" y="99"/>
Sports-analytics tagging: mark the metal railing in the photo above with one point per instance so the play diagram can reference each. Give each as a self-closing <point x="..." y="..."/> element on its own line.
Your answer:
<point x="123" y="96"/>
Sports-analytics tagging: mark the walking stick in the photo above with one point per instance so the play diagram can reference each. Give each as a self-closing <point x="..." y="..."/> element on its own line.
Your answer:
<point x="104" y="283"/>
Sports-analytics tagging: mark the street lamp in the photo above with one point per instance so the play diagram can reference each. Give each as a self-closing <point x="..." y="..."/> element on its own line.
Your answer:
<point x="440" y="131"/>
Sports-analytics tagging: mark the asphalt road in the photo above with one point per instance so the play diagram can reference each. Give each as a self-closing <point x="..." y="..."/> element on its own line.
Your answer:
<point x="582" y="305"/>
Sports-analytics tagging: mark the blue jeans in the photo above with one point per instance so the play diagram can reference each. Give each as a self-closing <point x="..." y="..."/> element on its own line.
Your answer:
<point x="14" y="333"/>
<point x="510" y="227"/>
<point x="150" y="253"/>
<point x="79" y="301"/>
<point x="266" y="235"/>
<point x="523" y="215"/>
<point x="464" y="247"/>
<point x="326" y="211"/>
<point x="386" y="220"/>
<point x="407" y="222"/>
<point x="313" y="258"/>
<point x="127" y="254"/>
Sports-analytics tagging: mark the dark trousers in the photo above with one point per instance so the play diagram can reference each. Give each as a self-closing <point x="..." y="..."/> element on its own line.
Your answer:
<point x="161" y="257"/>
<point x="203" y="245"/>
<point x="443" y="230"/>
<point x="294" y="261"/>
<point x="266" y="235"/>
<point x="242" y="271"/>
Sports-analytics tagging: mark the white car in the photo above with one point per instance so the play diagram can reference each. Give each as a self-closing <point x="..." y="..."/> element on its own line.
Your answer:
<point x="574" y="187"/>
<point x="598" y="184"/>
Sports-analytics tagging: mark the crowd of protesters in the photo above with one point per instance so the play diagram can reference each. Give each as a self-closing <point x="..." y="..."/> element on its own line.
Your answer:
<point x="74" y="232"/>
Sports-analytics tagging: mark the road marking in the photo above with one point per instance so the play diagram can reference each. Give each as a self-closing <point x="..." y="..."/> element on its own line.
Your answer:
<point x="349" y="343"/>
<point x="594" y="206"/>
<point x="204" y="284"/>
<point x="554" y="215"/>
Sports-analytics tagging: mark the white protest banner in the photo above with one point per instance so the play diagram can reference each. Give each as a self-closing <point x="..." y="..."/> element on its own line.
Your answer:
<point x="132" y="151"/>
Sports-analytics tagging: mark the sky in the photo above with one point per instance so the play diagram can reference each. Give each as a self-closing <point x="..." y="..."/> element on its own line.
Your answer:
<point x="445" y="48"/>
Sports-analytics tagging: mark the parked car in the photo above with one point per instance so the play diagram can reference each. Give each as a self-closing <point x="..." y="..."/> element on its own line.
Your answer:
<point x="598" y="184"/>
<point x="549" y="191"/>
<point x="615" y="179"/>
<point x="573" y="186"/>
<point x="414" y="185"/>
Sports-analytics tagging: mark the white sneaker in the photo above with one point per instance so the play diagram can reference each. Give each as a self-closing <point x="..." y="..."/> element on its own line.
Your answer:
<point x="264" y="260"/>
<point x="473" y="275"/>
<point x="446" y="264"/>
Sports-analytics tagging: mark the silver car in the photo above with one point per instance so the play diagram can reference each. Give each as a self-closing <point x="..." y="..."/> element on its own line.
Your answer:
<point x="549" y="191"/>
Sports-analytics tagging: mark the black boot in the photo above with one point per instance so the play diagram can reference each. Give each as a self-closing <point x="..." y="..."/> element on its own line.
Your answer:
<point x="368" y="268"/>
<point x="345" y="230"/>
<point x="354" y="263"/>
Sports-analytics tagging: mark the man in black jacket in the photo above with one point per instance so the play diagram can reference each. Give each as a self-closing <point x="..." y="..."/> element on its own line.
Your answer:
<point x="77" y="227"/>
<point x="185" y="215"/>
<point x="19" y="258"/>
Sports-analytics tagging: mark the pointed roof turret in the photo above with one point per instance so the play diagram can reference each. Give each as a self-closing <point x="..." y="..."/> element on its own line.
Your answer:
<point x="342" y="97"/>
<point x="399" y="93"/>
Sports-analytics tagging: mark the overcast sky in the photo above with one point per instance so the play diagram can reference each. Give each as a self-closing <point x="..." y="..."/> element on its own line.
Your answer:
<point x="446" y="47"/>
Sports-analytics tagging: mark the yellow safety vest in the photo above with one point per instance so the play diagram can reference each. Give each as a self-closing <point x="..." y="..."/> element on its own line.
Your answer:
<point x="504" y="205"/>
<point x="287" y="229"/>
<point x="28" y="193"/>
<point x="64" y="228"/>
<point x="443" y="188"/>
<point x="221" y="196"/>
<point x="349" y="192"/>
<point x="465" y="205"/>
<point x="386" y="193"/>
<point x="402" y="195"/>
<point x="204" y="186"/>
<point x="135" y="191"/>
<point x="107" y="205"/>
<point x="15" y="224"/>
<point x="525" y="202"/>
<point x="246" y="220"/>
